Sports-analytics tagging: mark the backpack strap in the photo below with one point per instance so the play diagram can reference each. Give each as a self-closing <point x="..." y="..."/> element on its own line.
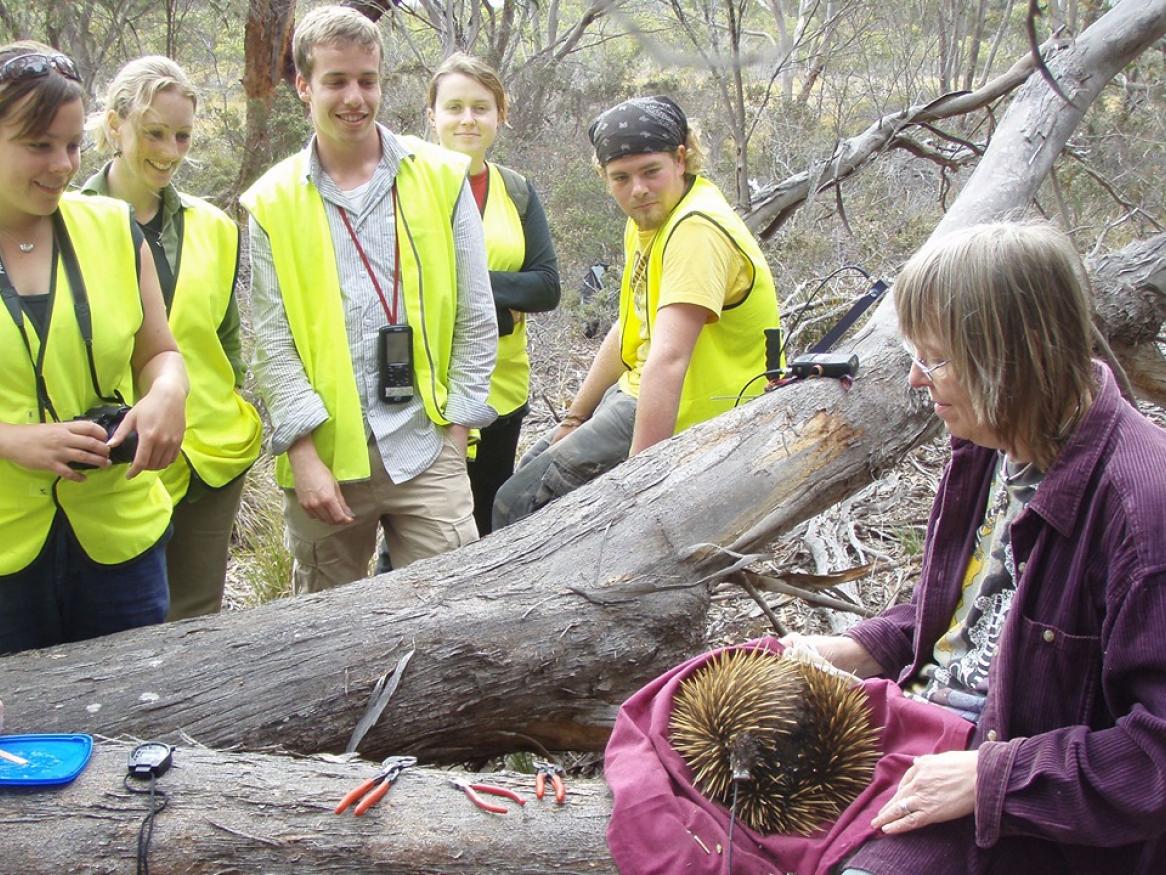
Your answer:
<point x="517" y="188"/>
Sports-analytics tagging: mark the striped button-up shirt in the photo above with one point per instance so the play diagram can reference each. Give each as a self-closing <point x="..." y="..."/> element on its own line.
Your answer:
<point x="409" y="441"/>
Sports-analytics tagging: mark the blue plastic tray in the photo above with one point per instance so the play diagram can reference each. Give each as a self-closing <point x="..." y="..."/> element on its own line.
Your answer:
<point x="52" y="759"/>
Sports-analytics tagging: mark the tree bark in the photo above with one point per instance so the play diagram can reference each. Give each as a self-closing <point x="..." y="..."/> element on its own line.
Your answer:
<point x="235" y="813"/>
<point x="534" y="635"/>
<point x="1130" y="288"/>
<point x="782" y="199"/>
<point x="266" y="62"/>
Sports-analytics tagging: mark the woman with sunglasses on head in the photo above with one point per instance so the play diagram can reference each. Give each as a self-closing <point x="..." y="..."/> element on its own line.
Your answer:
<point x="83" y="334"/>
<point x="1041" y="610"/>
<point x="146" y="130"/>
<point x="467" y="105"/>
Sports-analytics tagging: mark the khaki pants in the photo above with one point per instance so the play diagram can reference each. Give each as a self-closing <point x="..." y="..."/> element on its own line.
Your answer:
<point x="428" y="515"/>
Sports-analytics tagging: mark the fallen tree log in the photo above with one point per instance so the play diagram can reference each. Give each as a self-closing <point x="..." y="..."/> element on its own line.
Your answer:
<point x="534" y="635"/>
<point x="1130" y="288"/>
<point x="272" y="814"/>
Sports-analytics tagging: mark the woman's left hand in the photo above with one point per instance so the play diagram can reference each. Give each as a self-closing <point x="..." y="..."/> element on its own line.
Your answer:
<point x="937" y="788"/>
<point x="159" y="418"/>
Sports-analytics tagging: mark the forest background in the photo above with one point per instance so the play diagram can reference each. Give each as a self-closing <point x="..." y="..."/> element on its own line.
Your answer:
<point x="776" y="86"/>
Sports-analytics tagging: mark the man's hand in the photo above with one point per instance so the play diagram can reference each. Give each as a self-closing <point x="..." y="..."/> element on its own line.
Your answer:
<point x="460" y="435"/>
<point x="316" y="489"/>
<point x="567" y="426"/>
<point x="52" y="446"/>
<point x="937" y="788"/>
<point x="840" y="651"/>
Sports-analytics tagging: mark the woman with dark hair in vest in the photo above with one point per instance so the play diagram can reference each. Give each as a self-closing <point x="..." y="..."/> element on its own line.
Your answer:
<point x="467" y="105"/>
<point x="146" y="128"/>
<point x="83" y="335"/>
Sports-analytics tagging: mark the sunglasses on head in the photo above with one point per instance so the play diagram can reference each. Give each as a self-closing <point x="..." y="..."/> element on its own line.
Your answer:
<point x="37" y="64"/>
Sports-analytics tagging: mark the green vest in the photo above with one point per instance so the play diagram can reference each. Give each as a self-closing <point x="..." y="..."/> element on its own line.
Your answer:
<point x="506" y="251"/>
<point x="222" y="429"/>
<point x="729" y="352"/>
<point x="115" y="519"/>
<point x="290" y="210"/>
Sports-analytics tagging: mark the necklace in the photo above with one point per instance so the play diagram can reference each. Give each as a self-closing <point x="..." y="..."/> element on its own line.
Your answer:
<point x="25" y="246"/>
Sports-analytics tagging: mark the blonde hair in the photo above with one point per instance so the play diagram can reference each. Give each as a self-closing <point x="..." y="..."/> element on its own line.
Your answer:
<point x="332" y="26"/>
<point x="49" y="93"/>
<point x="476" y="69"/>
<point x="1009" y="303"/>
<point x="132" y="91"/>
<point x="693" y="150"/>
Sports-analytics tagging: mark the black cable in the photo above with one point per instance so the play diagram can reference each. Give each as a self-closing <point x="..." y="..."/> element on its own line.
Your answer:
<point x="146" y="831"/>
<point x="814" y="294"/>
<point x="741" y="394"/>
<point x="732" y="820"/>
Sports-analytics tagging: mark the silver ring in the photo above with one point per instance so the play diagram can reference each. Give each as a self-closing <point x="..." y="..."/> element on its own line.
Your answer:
<point x="904" y="807"/>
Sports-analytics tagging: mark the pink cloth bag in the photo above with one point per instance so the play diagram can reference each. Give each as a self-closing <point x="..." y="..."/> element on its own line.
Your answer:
<point x="658" y="815"/>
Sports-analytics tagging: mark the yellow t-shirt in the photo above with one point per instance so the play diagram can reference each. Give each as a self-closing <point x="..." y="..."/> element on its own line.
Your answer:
<point x="701" y="266"/>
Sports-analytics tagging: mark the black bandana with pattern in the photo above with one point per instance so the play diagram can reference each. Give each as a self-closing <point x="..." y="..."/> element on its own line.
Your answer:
<point x="638" y="126"/>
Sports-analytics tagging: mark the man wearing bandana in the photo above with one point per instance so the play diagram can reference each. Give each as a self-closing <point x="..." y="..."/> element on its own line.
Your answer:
<point x="695" y="299"/>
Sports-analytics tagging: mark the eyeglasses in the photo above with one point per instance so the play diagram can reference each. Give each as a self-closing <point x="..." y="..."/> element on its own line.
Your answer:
<point x="37" y="64"/>
<point x="924" y="368"/>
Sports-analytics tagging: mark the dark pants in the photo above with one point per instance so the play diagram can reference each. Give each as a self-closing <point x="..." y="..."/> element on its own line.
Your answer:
<point x="549" y="471"/>
<point x="196" y="557"/>
<point x="64" y="596"/>
<point x="493" y="465"/>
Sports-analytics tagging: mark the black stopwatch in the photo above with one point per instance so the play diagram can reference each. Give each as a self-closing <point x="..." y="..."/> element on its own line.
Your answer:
<point x="152" y="759"/>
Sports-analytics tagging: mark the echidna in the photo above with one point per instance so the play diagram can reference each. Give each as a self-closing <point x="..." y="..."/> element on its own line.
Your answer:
<point x="804" y="735"/>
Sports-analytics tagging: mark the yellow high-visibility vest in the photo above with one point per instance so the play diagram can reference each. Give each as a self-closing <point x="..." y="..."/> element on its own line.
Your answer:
<point x="506" y="251"/>
<point x="222" y="429"/>
<point x="290" y="210"/>
<point x="115" y="520"/>
<point x="729" y="352"/>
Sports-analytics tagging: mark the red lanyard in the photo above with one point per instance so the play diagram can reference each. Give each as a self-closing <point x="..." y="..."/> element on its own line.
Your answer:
<point x="391" y="313"/>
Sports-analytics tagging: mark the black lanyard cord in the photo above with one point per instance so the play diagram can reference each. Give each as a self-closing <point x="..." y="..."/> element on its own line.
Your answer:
<point x="80" y="303"/>
<point x="62" y="248"/>
<point x="15" y="309"/>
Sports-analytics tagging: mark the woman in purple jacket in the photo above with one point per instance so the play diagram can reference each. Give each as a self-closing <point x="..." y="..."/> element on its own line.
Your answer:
<point x="1041" y="613"/>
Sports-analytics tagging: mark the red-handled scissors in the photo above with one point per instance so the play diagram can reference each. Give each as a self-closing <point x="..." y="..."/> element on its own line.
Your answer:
<point x="472" y="791"/>
<point x="553" y="771"/>
<point x="374" y="789"/>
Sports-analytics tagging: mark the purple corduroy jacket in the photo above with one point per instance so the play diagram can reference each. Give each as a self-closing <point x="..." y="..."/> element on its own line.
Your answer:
<point x="1072" y="769"/>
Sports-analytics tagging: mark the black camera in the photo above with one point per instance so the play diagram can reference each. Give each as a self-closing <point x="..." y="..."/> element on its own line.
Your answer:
<point x="109" y="417"/>
<point x="395" y="363"/>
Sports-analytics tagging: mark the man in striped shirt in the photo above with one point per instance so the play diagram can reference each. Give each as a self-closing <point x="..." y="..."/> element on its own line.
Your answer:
<point x="375" y="327"/>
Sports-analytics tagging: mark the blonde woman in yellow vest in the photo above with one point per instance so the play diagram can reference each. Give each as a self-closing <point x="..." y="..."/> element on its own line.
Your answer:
<point x="695" y="300"/>
<point x="467" y="105"/>
<point x="146" y="130"/>
<point x="82" y="335"/>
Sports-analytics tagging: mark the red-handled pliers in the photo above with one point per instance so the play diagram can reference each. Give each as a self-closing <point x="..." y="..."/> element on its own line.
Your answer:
<point x="472" y="790"/>
<point x="374" y="789"/>
<point x="555" y="773"/>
